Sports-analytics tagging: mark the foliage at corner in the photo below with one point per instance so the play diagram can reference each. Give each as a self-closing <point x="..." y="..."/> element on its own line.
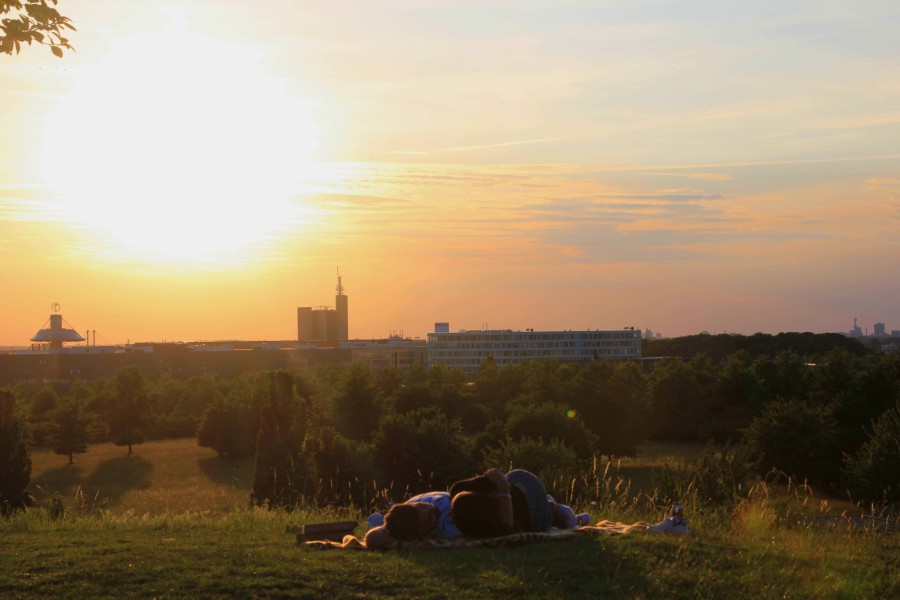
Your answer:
<point x="33" y="21"/>
<point x="15" y="461"/>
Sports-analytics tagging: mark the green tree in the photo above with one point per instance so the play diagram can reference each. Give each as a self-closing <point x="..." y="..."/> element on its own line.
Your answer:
<point x="282" y="474"/>
<point x="357" y="406"/>
<point x="677" y="397"/>
<point x="798" y="439"/>
<point x="547" y="421"/>
<point x="43" y="404"/>
<point x="875" y="391"/>
<point x="130" y="411"/>
<point x="739" y="396"/>
<point x="835" y="377"/>
<point x="15" y="461"/>
<point x="230" y="425"/>
<point x="872" y="472"/>
<point x="71" y="428"/>
<point x="785" y="377"/>
<point x="421" y="450"/>
<point x="613" y="406"/>
<point x="343" y="469"/>
<point x="33" y="21"/>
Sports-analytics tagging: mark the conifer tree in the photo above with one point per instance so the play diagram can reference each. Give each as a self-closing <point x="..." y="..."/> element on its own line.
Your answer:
<point x="281" y="469"/>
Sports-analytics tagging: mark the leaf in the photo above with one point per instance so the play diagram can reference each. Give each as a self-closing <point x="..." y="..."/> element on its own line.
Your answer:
<point x="57" y="51"/>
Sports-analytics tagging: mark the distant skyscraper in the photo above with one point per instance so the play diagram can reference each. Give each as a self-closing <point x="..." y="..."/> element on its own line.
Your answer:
<point x="323" y="324"/>
<point x="879" y="330"/>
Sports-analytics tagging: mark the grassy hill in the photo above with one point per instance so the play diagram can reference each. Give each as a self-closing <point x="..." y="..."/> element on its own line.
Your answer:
<point x="172" y="521"/>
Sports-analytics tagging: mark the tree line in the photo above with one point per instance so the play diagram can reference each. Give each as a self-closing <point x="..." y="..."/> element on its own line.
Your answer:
<point x="336" y="435"/>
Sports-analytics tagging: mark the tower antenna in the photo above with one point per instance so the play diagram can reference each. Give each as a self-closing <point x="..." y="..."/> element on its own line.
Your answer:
<point x="340" y="286"/>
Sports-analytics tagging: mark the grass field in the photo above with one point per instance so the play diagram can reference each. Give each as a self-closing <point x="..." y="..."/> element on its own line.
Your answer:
<point x="165" y="477"/>
<point x="172" y="521"/>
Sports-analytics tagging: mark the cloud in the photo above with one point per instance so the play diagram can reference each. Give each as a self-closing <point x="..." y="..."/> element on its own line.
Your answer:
<point x="697" y="176"/>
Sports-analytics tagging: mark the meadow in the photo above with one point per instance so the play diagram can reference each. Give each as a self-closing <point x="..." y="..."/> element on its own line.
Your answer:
<point x="173" y="521"/>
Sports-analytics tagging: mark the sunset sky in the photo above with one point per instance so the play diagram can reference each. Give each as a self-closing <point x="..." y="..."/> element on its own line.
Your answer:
<point x="198" y="169"/>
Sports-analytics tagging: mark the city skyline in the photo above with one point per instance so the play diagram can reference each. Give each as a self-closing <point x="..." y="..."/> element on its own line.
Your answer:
<point x="190" y="175"/>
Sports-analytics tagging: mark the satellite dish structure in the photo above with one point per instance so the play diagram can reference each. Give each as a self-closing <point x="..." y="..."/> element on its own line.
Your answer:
<point x="56" y="335"/>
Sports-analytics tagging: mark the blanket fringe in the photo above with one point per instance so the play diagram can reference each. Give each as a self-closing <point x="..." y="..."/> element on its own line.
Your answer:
<point x="507" y="541"/>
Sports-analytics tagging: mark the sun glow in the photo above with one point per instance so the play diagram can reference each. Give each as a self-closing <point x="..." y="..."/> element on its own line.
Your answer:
<point x="179" y="147"/>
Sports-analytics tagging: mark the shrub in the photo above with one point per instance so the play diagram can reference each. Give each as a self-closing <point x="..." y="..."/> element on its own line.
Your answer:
<point x="342" y="468"/>
<point x="546" y="420"/>
<point x="420" y="450"/>
<point x="56" y="507"/>
<point x="873" y="473"/>
<point x="717" y="477"/>
<point x="551" y="461"/>
<point x="798" y="439"/>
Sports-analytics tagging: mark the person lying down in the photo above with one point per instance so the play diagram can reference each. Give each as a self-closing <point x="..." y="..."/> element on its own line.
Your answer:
<point x="488" y="505"/>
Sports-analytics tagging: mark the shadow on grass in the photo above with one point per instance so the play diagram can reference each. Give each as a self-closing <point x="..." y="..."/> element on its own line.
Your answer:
<point x="580" y="568"/>
<point x="114" y="477"/>
<point x="233" y="473"/>
<point x="63" y="480"/>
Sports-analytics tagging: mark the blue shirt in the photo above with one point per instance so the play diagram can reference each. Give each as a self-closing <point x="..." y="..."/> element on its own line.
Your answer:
<point x="445" y="523"/>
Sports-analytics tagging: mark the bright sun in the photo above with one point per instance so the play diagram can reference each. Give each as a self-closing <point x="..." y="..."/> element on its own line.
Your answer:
<point x="179" y="147"/>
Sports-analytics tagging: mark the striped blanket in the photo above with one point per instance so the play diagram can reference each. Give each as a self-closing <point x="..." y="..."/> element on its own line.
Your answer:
<point x="507" y="541"/>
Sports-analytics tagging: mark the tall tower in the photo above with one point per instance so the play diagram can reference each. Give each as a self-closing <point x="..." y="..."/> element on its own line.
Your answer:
<point x="323" y="324"/>
<point x="340" y="307"/>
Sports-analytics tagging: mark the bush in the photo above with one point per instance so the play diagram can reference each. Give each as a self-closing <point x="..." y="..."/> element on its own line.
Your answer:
<point x="546" y="420"/>
<point x="552" y="461"/>
<point x="873" y="473"/>
<point x="421" y="450"/>
<point x="718" y="477"/>
<point x="230" y="426"/>
<point x="342" y="468"/>
<point x="798" y="439"/>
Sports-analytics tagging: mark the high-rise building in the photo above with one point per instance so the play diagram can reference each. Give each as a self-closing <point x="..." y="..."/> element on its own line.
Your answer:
<point x="324" y="324"/>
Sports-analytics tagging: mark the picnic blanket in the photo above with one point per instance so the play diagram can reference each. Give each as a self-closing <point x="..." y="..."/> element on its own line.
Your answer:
<point x="507" y="541"/>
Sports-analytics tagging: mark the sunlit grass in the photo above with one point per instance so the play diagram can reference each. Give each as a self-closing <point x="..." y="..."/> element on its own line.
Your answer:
<point x="171" y="476"/>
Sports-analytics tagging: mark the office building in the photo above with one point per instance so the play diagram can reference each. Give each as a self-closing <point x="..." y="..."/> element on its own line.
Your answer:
<point x="468" y="350"/>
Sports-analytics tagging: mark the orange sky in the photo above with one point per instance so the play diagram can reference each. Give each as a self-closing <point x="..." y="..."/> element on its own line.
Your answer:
<point x="194" y="172"/>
